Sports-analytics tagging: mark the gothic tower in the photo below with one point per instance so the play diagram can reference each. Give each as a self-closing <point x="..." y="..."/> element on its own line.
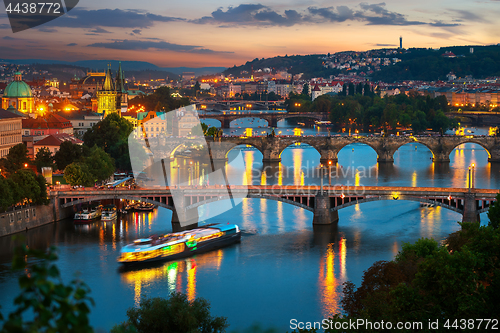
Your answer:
<point x="107" y="96"/>
<point x="122" y="96"/>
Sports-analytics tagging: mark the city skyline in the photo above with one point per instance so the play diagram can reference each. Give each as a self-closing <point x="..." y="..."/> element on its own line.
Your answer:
<point x="198" y="34"/>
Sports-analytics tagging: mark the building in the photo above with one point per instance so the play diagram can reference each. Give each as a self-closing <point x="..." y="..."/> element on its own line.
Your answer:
<point x="53" y="142"/>
<point x="18" y="94"/>
<point x="107" y="97"/>
<point x="183" y="121"/>
<point x="10" y="130"/>
<point x="81" y="121"/>
<point x="49" y="124"/>
<point x="153" y="124"/>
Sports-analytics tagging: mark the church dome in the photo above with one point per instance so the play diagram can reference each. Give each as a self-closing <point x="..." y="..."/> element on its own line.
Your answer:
<point x="17" y="88"/>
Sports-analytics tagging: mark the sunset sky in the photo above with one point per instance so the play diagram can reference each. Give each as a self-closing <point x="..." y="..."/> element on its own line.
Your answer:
<point x="226" y="33"/>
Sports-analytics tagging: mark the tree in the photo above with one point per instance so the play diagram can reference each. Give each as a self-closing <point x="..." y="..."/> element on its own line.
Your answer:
<point x="494" y="213"/>
<point x="15" y="159"/>
<point x="6" y="198"/>
<point x="173" y="315"/>
<point x="44" y="159"/>
<point x="29" y="186"/>
<point x="53" y="305"/>
<point x="78" y="174"/>
<point x="111" y="134"/>
<point x="68" y="153"/>
<point x="100" y="164"/>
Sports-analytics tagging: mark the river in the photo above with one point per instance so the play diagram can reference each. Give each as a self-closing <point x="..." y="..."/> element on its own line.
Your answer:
<point x="284" y="268"/>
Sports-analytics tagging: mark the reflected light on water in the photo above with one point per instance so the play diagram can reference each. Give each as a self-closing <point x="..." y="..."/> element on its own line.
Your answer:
<point x="328" y="284"/>
<point x="414" y="179"/>
<point x="298" y="174"/>
<point x="342" y="258"/>
<point x="191" y="278"/>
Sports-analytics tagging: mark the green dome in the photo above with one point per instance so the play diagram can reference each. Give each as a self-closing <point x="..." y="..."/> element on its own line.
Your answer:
<point x="17" y="89"/>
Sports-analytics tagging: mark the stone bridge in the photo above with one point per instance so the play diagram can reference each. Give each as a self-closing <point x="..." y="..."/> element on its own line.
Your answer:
<point x="324" y="202"/>
<point x="272" y="118"/>
<point x="238" y="105"/>
<point x="329" y="147"/>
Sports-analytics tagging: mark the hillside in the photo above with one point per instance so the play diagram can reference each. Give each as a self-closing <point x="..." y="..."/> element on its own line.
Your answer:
<point x="409" y="64"/>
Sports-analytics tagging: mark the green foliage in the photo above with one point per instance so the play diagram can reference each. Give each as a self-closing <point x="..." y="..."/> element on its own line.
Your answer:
<point x="78" y="174"/>
<point x="55" y="306"/>
<point x="100" y="164"/>
<point x="494" y="213"/>
<point x="30" y="187"/>
<point x="173" y="315"/>
<point x="15" y="159"/>
<point x="6" y="195"/>
<point x="369" y="110"/>
<point x="111" y="134"/>
<point x="160" y="99"/>
<point x="44" y="159"/>
<point x="427" y="281"/>
<point x="68" y="153"/>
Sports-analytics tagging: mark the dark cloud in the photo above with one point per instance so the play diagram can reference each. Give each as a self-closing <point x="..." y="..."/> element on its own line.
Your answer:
<point x="442" y="24"/>
<point x="465" y="15"/>
<point x="260" y="15"/>
<point x="137" y="31"/>
<point x="385" y="45"/>
<point x="126" y="44"/>
<point x="72" y="44"/>
<point x="83" y="18"/>
<point x="376" y="14"/>
<point x="4" y="26"/>
<point x="8" y="37"/>
<point x="99" y="30"/>
<point x="251" y="14"/>
<point x="340" y="14"/>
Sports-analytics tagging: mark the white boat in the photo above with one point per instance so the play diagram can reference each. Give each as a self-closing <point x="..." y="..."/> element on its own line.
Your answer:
<point x="108" y="213"/>
<point x="88" y="214"/>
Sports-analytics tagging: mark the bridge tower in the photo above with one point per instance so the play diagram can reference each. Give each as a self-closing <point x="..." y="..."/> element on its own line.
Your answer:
<point x="322" y="210"/>
<point x="470" y="208"/>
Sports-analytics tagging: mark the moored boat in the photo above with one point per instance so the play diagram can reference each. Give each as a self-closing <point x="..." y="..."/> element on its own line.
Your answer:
<point x="144" y="206"/>
<point x="108" y="213"/>
<point x="88" y="214"/>
<point x="179" y="244"/>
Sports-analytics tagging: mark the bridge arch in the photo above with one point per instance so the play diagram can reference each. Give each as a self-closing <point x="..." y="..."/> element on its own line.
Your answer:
<point x="301" y="142"/>
<point x="471" y="140"/>
<point x="414" y="142"/>
<point x="246" y="144"/>
<point x="404" y="198"/>
<point x="115" y="197"/>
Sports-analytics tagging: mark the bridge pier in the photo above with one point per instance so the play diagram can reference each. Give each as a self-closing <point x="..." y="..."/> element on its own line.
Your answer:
<point x="182" y="218"/>
<point x="441" y="157"/>
<point x="470" y="208"/>
<point x="322" y="211"/>
<point x="273" y="122"/>
<point x="226" y="123"/>
<point x="328" y="157"/>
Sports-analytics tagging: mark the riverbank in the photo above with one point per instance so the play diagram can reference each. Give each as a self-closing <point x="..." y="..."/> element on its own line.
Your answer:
<point x="23" y="218"/>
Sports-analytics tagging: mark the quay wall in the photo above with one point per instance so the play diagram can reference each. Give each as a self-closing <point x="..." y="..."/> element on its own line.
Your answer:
<point x="27" y="217"/>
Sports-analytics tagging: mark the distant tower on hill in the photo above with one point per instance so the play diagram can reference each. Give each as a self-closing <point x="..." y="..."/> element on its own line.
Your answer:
<point x="400" y="42"/>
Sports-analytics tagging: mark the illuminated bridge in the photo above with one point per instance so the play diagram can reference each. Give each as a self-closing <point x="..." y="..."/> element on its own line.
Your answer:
<point x="272" y="118"/>
<point x="329" y="147"/>
<point x="324" y="202"/>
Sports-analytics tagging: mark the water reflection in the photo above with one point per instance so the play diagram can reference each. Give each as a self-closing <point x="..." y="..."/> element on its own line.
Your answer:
<point x="171" y="274"/>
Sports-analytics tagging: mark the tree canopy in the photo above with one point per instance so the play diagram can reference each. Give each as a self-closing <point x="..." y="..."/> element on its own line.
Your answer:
<point x="111" y="134"/>
<point x="15" y="159"/>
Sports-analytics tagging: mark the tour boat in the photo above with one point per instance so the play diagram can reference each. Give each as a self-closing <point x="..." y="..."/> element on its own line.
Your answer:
<point x="179" y="244"/>
<point x="108" y="213"/>
<point x="88" y="214"/>
<point x="144" y="206"/>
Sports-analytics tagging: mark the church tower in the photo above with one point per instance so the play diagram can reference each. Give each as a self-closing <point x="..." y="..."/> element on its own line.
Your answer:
<point x="107" y="96"/>
<point x="122" y="96"/>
